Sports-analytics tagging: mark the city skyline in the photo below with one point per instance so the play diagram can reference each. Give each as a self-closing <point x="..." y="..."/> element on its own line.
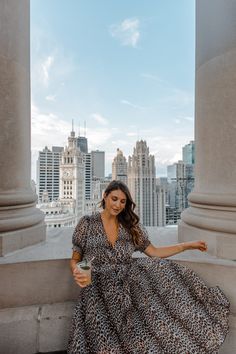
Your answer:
<point x="75" y="180"/>
<point x="118" y="150"/>
<point x="130" y="78"/>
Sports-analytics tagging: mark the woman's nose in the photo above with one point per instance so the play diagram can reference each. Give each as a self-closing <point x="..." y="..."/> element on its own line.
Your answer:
<point x="118" y="204"/>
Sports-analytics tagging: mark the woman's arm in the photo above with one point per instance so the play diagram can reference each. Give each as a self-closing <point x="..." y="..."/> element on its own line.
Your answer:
<point x="167" y="251"/>
<point x="76" y="257"/>
<point x="80" y="278"/>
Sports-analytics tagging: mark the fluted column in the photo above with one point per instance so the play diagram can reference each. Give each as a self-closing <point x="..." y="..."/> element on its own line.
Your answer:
<point x="21" y="224"/>
<point x="212" y="212"/>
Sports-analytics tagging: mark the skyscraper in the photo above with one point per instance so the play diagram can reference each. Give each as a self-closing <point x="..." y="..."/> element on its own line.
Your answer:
<point x="181" y="180"/>
<point x="188" y="152"/>
<point x="142" y="183"/>
<point x="161" y="205"/>
<point x="98" y="163"/>
<point x="119" y="167"/>
<point x="72" y="186"/>
<point x="82" y="143"/>
<point x="48" y="172"/>
<point x="88" y="175"/>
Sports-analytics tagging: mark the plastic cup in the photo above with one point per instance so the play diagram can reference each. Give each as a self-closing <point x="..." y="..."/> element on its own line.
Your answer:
<point x="85" y="267"/>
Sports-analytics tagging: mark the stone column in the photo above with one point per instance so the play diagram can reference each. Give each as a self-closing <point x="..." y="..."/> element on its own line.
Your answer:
<point x="21" y="224"/>
<point x="212" y="212"/>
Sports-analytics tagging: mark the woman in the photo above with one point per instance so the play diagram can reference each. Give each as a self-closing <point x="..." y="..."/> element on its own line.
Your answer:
<point x="142" y="305"/>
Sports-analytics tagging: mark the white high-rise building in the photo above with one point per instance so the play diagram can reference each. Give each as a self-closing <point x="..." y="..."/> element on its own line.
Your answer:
<point x="98" y="163"/>
<point x="72" y="186"/>
<point x="48" y="172"/>
<point x="88" y="175"/>
<point x="119" y="167"/>
<point x="142" y="183"/>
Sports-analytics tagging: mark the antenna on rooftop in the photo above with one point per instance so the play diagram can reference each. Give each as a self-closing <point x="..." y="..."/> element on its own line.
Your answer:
<point x="79" y="128"/>
<point x="85" y="128"/>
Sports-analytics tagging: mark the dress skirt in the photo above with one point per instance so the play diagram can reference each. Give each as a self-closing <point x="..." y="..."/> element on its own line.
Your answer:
<point x="145" y="306"/>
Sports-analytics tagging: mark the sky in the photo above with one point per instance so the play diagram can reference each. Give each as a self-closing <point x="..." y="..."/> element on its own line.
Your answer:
<point x="125" y="67"/>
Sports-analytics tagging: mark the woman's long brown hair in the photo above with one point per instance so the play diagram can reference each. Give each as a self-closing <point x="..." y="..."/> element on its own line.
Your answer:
<point x="128" y="218"/>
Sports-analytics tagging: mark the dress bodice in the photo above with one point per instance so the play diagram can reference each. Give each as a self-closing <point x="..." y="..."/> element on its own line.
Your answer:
<point x="90" y="240"/>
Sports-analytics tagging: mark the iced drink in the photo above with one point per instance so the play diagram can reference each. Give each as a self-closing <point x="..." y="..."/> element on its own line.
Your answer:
<point x="85" y="267"/>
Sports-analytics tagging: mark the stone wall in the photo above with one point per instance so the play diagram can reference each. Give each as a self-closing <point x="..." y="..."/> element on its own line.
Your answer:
<point x="37" y="300"/>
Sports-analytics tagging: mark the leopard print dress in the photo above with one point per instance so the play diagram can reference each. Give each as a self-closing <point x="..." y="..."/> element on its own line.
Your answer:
<point x="141" y="305"/>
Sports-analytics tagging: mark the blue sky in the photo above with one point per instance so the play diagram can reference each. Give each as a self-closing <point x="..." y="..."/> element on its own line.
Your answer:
<point x="124" y="67"/>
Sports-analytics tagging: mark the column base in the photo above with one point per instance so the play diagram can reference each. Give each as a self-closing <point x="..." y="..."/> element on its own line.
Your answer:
<point x="220" y="244"/>
<point x="15" y="240"/>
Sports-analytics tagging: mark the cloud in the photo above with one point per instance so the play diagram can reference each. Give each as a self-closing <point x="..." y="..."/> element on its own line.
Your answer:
<point x="128" y="103"/>
<point x="47" y="128"/>
<point x="132" y="134"/>
<point x="178" y="98"/>
<point x="51" y="98"/>
<point x="119" y="142"/>
<point x="45" y="67"/>
<point x="177" y="121"/>
<point x="174" y="96"/>
<point x="99" y="118"/>
<point x="51" y="71"/>
<point x="153" y="78"/>
<point x="127" y="32"/>
<point x="166" y="148"/>
<point x="190" y="119"/>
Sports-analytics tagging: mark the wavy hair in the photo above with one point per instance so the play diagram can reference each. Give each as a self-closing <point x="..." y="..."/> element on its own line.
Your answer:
<point x="128" y="218"/>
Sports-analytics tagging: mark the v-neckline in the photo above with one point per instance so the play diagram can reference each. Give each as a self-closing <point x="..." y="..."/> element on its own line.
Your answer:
<point x="106" y="236"/>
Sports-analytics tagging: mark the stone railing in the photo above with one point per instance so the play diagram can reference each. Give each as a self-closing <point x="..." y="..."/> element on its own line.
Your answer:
<point x="38" y="293"/>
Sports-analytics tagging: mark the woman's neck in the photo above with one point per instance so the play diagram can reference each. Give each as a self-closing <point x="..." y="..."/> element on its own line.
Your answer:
<point x="107" y="216"/>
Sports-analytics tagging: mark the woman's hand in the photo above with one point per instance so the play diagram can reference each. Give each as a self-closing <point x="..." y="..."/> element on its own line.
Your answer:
<point x="195" y="245"/>
<point x="81" y="278"/>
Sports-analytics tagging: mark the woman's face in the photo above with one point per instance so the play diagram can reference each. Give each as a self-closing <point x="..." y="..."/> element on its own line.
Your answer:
<point x="115" y="202"/>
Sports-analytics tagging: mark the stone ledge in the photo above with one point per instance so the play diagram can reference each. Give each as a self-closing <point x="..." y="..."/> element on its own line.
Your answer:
<point x="36" y="283"/>
<point x="25" y="330"/>
<point x="16" y="240"/>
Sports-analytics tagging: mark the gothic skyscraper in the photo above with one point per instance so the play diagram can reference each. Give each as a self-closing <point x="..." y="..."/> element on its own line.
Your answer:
<point x="119" y="167"/>
<point x="142" y="183"/>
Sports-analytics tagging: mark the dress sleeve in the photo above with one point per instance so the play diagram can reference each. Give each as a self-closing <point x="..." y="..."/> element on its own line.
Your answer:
<point x="80" y="234"/>
<point x="144" y="241"/>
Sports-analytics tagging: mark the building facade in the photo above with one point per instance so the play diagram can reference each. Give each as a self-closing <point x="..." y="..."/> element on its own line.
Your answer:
<point x="48" y="176"/>
<point x="98" y="163"/>
<point x="82" y="144"/>
<point x="180" y="178"/>
<point x="119" y="167"/>
<point x="57" y="214"/>
<point x="142" y="183"/>
<point x="72" y="172"/>
<point x="161" y="205"/>
<point x="188" y="153"/>
<point x="87" y="158"/>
